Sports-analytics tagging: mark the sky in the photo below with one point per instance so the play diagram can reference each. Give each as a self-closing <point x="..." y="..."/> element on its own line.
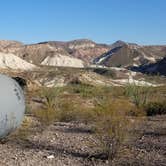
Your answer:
<point x="104" y="21"/>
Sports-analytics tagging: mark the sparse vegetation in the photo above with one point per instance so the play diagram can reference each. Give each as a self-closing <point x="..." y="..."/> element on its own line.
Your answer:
<point x="112" y="126"/>
<point x="138" y="94"/>
<point x="48" y="112"/>
<point x="113" y="114"/>
<point x="74" y="111"/>
<point x="107" y="112"/>
<point x="150" y="99"/>
<point x="24" y="131"/>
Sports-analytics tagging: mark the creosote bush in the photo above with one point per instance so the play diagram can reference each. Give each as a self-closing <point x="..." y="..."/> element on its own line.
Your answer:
<point x="112" y="125"/>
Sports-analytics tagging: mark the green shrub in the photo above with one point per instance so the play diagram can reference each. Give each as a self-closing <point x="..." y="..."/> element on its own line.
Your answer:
<point x="74" y="110"/>
<point x="88" y="91"/>
<point x="50" y="96"/>
<point x="66" y="108"/>
<point x="112" y="126"/>
<point x="138" y="94"/>
<point x="155" y="108"/>
<point x="47" y="114"/>
<point x="83" y="90"/>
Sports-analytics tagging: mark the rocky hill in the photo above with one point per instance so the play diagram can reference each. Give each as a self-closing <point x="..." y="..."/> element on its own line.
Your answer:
<point x="9" y="46"/>
<point x="155" y="68"/>
<point x="127" y="54"/>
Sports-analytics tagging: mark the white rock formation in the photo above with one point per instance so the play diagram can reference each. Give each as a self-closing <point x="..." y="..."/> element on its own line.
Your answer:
<point x="11" y="61"/>
<point x="62" y="60"/>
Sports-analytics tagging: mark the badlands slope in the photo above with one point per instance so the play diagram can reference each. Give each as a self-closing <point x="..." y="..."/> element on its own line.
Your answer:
<point x="11" y="61"/>
<point x="62" y="60"/>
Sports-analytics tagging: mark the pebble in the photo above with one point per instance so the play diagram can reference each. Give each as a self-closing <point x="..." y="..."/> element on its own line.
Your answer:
<point x="51" y="157"/>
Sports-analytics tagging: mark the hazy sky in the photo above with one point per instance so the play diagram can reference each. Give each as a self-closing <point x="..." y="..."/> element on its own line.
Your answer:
<point x="104" y="21"/>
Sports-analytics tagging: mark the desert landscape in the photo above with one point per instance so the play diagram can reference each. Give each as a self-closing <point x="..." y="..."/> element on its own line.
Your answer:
<point x="83" y="83"/>
<point x="87" y="103"/>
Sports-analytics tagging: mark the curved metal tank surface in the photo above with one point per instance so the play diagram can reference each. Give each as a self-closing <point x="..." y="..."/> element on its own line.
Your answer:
<point x="12" y="105"/>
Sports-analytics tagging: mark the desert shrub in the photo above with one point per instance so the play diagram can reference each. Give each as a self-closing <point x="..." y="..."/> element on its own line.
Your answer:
<point x="138" y="94"/>
<point x="71" y="110"/>
<point x="74" y="81"/>
<point x="67" y="111"/>
<point x="64" y="108"/>
<point x="117" y="91"/>
<point x="47" y="114"/>
<point x="112" y="125"/>
<point x="105" y="72"/>
<point x="50" y="96"/>
<point x="89" y="91"/>
<point x="83" y="90"/>
<point x="158" y="94"/>
<point x="136" y="112"/>
<point x="155" y="108"/>
<point x="23" y="132"/>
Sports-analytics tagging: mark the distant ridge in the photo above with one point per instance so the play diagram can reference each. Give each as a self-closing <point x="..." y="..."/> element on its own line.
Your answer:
<point x="84" y="52"/>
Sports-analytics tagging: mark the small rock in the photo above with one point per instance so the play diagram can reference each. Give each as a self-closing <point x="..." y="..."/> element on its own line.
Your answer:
<point x="14" y="158"/>
<point x="50" y="157"/>
<point x="107" y="162"/>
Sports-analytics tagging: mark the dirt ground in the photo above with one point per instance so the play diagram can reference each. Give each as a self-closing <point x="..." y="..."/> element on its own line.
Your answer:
<point x="65" y="144"/>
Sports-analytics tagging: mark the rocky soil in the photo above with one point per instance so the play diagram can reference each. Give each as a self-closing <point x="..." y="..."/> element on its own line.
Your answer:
<point x="60" y="144"/>
<point x="63" y="144"/>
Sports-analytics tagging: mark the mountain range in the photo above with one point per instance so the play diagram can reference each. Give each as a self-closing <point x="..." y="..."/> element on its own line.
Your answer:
<point x="82" y="53"/>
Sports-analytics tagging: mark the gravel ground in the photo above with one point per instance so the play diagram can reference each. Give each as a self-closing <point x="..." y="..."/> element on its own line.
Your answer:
<point x="65" y="144"/>
<point x="60" y="145"/>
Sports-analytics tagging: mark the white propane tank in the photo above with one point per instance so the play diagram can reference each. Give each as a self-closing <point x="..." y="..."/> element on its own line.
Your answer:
<point x="12" y="105"/>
